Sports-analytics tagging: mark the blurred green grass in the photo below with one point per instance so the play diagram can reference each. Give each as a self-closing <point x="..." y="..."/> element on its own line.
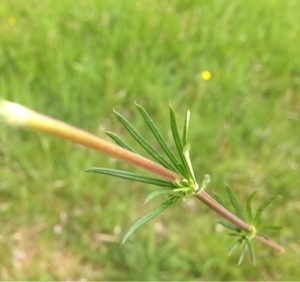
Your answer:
<point x="76" y="61"/>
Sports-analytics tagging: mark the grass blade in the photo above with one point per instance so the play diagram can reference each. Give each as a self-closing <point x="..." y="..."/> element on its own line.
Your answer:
<point x="234" y="202"/>
<point x="119" y="141"/>
<point x="132" y="176"/>
<point x="142" y="141"/>
<point x="159" y="193"/>
<point x="249" y="207"/>
<point x="261" y="209"/>
<point x="159" y="138"/>
<point x="147" y="217"/>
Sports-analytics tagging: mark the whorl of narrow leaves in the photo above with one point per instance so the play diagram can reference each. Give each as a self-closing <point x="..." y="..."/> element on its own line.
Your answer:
<point x="182" y="188"/>
<point x="187" y="185"/>
<point x="253" y="220"/>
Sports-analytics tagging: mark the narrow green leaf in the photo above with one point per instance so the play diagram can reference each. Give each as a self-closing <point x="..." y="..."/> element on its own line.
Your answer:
<point x="186" y="153"/>
<point x="249" y="207"/>
<point x="242" y="256"/>
<point x="251" y="250"/>
<point x="175" y="132"/>
<point x="159" y="138"/>
<point x="205" y="180"/>
<point x="234" y="234"/>
<point x="229" y="225"/>
<point x="220" y="200"/>
<point x="269" y="227"/>
<point x="261" y="209"/>
<point x="178" y="144"/>
<point x="159" y="193"/>
<point x="185" y="129"/>
<point x="142" y="141"/>
<point x="264" y="235"/>
<point x="132" y="176"/>
<point x="234" y="202"/>
<point x="182" y="169"/>
<point x="145" y="218"/>
<point x="235" y="246"/>
<point x="119" y="141"/>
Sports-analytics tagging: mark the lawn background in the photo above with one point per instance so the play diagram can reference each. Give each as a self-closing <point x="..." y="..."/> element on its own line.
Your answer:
<point x="76" y="61"/>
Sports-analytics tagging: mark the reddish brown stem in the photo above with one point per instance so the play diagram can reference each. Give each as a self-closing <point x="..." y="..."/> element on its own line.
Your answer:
<point x="214" y="205"/>
<point x="50" y="125"/>
<point x="270" y="243"/>
<point x="217" y="208"/>
<point x="47" y="124"/>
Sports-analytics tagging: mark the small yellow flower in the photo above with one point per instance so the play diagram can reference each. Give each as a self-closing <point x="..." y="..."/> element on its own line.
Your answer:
<point x="11" y="21"/>
<point x="206" y="75"/>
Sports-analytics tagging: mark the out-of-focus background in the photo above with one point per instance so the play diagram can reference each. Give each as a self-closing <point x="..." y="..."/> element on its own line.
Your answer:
<point x="76" y="61"/>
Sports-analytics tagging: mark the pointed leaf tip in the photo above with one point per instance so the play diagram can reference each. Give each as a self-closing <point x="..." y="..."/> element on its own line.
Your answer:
<point x="262" y="207"/>
<point x="145" y="218"/>
<point x="234" y="202"/>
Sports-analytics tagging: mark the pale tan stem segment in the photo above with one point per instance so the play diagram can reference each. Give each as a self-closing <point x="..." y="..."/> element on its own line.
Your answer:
<point x="270" y="243"/>
<point x="50" y="125"/>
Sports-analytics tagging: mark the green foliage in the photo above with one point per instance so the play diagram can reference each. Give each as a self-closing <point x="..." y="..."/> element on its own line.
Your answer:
<point x="75" y="60"/>
<point x="143" y="142"/>
<point x="132" y="176"/>
<point x="245" y="238"/>
<point x="159" y="138"/>
<point x="119" y="141"/>
<point x="181" y="188"/>
<point x="148" y="216"/>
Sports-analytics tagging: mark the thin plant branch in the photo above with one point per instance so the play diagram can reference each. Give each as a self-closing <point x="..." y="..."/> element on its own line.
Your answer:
<point x="217" y="208"/>
<point x="34" y="120"/>
<point x="16" y="114"/>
